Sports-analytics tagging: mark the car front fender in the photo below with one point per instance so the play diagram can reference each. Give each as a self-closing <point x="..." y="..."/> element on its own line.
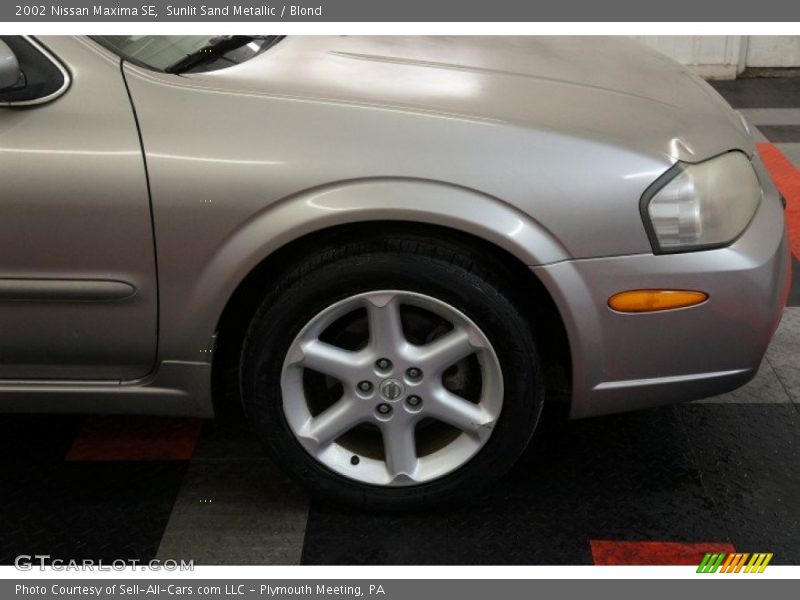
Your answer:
<point x="187" y="326"/>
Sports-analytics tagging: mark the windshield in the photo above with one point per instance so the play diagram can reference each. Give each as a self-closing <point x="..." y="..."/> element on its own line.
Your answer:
<point x="186" y="53"/>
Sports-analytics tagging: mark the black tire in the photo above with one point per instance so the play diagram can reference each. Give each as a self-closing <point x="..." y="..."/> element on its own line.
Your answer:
<point x="474" y="282"/>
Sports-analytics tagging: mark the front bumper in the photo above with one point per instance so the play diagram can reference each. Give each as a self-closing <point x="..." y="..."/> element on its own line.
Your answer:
<point x="627" y="361"/>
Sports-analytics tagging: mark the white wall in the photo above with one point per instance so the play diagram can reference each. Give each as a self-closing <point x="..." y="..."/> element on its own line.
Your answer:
<point x="773" y="51"/>
<point x="723" y="57"/>
<point x="713" y="56"/>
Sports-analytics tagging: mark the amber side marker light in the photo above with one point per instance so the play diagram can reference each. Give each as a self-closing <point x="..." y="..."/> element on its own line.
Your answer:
<point x="638" y="301"/>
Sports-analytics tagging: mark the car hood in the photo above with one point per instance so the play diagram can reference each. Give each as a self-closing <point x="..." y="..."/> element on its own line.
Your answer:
<point x="611" y="89"/>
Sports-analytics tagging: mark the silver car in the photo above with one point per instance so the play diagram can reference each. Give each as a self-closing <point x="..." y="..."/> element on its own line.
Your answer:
<point x="392" y="250"/>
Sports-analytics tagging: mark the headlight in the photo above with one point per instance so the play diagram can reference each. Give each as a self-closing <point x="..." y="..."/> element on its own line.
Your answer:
<point x="698" y="206"/>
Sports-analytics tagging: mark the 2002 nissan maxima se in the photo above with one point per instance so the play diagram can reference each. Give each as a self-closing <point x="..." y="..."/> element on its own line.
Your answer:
<point x="397" y="249"/>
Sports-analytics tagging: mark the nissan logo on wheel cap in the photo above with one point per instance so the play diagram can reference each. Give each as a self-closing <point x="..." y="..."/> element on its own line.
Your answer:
<point x="391" y="389"/>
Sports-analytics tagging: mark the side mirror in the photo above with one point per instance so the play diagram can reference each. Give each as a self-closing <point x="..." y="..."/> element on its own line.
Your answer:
<point x="9" y="67"/>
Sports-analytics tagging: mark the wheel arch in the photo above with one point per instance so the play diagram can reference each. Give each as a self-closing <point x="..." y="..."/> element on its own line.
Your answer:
<point x="364" y="208"/>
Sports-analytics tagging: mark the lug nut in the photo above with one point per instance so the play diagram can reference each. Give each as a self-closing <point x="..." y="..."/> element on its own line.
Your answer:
<point x="414" y="401"/>
<point x="414" y="373"/>
<point x="384" y="364"/>
<point x="384" y="408"/>
<point x="365" y="386"/>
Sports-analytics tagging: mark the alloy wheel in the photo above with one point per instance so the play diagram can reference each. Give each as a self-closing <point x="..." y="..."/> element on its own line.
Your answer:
<point x="391" y="388"/>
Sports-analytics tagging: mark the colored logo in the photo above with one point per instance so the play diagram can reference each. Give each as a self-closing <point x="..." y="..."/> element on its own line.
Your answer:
<point x="735" y="562"/>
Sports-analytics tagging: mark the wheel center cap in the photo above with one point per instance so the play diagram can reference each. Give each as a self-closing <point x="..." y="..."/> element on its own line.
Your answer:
<point x="391" y="389"/>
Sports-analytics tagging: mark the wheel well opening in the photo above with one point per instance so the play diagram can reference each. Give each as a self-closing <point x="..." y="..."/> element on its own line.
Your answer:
<point x="520" y="282"/>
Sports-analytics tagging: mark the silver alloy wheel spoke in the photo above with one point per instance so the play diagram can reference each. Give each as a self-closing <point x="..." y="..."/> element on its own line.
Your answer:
<point x="444" y="351"/>
<point x="335" y="421"/>
<point x="385" y="326"/>
<point x="331" y="360"/>
<point x="401" y="452"/>
<point x="454" y="410"/>
<point x="393" y="397"/>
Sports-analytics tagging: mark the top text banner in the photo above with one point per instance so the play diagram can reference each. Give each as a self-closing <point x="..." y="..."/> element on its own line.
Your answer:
<point x="400" y="11"/>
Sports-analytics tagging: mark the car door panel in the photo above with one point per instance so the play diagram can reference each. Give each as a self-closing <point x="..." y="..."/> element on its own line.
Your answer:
<point x="78" y="296"/>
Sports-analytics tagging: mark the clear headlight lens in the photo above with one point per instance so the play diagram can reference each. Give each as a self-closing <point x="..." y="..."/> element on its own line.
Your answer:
<point x="702" y="205"/>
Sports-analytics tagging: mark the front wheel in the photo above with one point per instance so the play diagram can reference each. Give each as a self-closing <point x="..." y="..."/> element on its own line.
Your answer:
<point x="392" y="375"/>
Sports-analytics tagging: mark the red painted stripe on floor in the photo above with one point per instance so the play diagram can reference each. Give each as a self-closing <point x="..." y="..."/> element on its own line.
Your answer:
<point x="605" y="552"/>
<point x="136" y="438"/>
<point x="787" y="179"/>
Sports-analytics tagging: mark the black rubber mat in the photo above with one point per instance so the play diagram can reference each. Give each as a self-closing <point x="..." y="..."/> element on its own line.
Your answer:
<point x="626" y="477"/>
<point x="75" y="510"/>
<point x="781" y="134"/>
<point x="762" y="92"/>
<point x="794" y="292"/>
<point x="748" y="456"/>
